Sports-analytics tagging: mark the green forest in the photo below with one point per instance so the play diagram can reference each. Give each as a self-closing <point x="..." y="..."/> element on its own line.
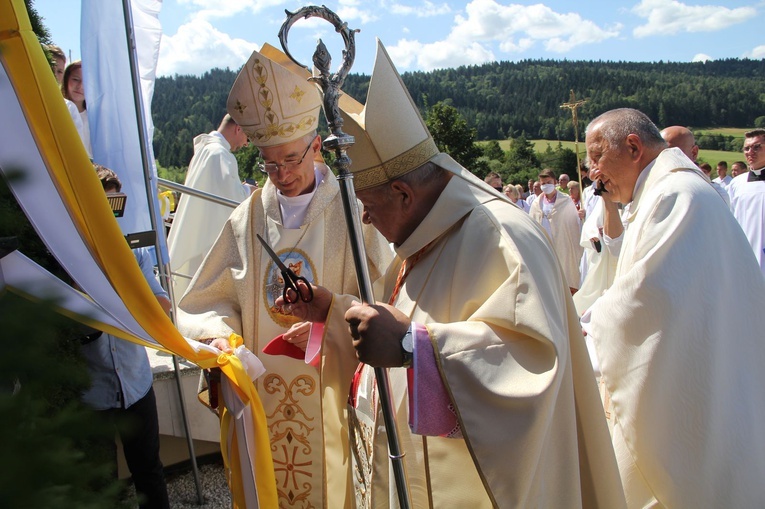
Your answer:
<point x="509" y="101"/>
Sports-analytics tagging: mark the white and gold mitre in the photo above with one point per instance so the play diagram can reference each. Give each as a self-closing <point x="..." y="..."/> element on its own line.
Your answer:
<point x="391" y="137"/>
<point x="271" y="104"/>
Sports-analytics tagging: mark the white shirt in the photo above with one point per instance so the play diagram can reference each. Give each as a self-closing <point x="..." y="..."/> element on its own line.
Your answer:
<point x="725" y="182"/>
<point x="294" y="208"/>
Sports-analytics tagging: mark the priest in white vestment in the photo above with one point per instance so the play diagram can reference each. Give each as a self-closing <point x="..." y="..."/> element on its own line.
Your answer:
<point x="599" y="259"/>
<point x="492" y="388"/>
<point x="747" y="195"/>
<point x="590" y="201"/>
<point x="558" y="215"/>
<point x="299" y="213"/>
<point x="198" y="222"/>
<point x="684" y="379"/>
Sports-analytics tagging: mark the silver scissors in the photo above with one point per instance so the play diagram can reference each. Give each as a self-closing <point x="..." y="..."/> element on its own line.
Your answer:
<point x="290" y="278"/>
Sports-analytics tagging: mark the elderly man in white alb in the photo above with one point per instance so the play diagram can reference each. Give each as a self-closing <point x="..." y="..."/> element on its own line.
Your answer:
<point x="747" y="194"/>
<point x="299" y="213"/>
<point x="684" y="380"/>
<point x="494" y="396"/>
<point x="197" y="222"/>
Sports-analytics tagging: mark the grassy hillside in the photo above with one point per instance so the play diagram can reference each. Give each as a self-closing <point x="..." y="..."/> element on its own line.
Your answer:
<point x="705" y="156"/>
<point x="714" y="156"/>
<point x="736" y="132"/>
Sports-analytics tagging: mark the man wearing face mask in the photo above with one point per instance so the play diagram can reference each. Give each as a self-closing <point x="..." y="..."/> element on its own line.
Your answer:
<point x="558" y="216"/>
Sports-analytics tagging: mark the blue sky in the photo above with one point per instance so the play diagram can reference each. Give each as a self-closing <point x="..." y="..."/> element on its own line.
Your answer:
<point x="424" y="35"/>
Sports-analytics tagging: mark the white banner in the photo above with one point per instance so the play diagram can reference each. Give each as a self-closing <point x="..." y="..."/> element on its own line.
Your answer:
<point x="114" y="128"/>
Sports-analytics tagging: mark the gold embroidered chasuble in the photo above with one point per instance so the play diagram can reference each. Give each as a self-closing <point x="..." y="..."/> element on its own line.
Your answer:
<point x="234" y="291"/>
<point x="512" y="357"/>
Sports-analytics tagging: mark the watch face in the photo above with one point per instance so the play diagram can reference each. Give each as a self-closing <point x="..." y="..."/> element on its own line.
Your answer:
<point x="407" y="349"/>
<point x="407" y="343"/>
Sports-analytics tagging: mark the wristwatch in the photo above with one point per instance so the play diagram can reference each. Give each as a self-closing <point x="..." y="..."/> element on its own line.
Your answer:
<point x="407" y="348"/>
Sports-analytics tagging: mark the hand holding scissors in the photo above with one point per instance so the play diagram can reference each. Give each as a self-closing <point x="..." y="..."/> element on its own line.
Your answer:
<point x="290" y="278"/>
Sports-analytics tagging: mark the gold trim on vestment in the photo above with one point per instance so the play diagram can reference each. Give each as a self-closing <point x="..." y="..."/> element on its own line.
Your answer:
<point x="396" y="167"/>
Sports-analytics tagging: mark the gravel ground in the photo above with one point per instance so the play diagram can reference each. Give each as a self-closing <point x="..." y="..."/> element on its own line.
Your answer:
<point x="183" y="492"/>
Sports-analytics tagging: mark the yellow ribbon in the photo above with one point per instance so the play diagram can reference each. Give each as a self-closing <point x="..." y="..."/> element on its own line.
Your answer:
<point x="265" y="479"/>
<point x="72" y="172"/>
<point x="166" y="202"/>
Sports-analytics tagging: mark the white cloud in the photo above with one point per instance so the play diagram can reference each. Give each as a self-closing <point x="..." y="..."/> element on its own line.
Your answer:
<point x="404" y="53"/>
<point x="514" y="28"/>
<point x="510" y="46"/>
<point x="487" y="20"/>
<point x="668" y="17"/>
<point x="425" y="10"/>
<point x="701" y="57"/>
<point x="756" y="54"/>
<point x="351" y="13"/>
<point x="353" y="10"/>
<point x="196" y="45"/>
<point x="437" y="55"/>
<point x="215" y="9"/>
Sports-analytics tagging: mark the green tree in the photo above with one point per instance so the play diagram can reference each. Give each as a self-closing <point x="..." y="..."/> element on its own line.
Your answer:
<point x="560" y="159"/>
<point x="247" y="160"/>
<point x="38" y="27"/>
<point x="46" y="444"/>
<point x="492" y="150"/>
<point x="521" y="160"/>
<point x="452" y="134"/>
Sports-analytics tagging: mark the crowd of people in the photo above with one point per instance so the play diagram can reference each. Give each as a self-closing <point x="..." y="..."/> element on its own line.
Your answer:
<point x="553" y="209"/>
<point x="551" y="346"/>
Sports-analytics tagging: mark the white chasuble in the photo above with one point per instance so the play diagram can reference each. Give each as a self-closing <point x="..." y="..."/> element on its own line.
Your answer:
<point x="509" y="350"/>
<point x="684" y="377"/>
<point x="565" y="231"/>
<point x="198" y="222"/>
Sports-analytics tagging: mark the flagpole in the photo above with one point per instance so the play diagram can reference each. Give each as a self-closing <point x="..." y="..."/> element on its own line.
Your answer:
<point x="339" y="142"/>
<point x="163" y="267"/>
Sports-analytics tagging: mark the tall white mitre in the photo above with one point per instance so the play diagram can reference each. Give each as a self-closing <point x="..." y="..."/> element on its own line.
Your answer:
<point x="272" y="104"/>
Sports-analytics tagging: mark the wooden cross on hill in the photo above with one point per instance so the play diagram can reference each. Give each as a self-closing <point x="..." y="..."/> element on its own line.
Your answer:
<point x="572" y="105"/>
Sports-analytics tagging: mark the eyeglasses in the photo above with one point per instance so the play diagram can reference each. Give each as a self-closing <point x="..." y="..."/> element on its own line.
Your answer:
<point x="753" y="148"/>
<point x="287" y="165"/>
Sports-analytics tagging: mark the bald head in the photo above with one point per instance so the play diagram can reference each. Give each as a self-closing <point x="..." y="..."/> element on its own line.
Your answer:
<point x="620" y="144"/>
<point x="682" y="138"/>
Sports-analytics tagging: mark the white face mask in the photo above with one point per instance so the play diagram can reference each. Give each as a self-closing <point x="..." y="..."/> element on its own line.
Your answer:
<point x="548" y="188"/>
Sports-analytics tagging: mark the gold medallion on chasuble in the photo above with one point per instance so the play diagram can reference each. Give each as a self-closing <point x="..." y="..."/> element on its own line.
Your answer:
<point x="273" y="283"/>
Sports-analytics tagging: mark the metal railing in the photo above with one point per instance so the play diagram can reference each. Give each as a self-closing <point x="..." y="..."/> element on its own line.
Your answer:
<point x="173" y="186"/>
